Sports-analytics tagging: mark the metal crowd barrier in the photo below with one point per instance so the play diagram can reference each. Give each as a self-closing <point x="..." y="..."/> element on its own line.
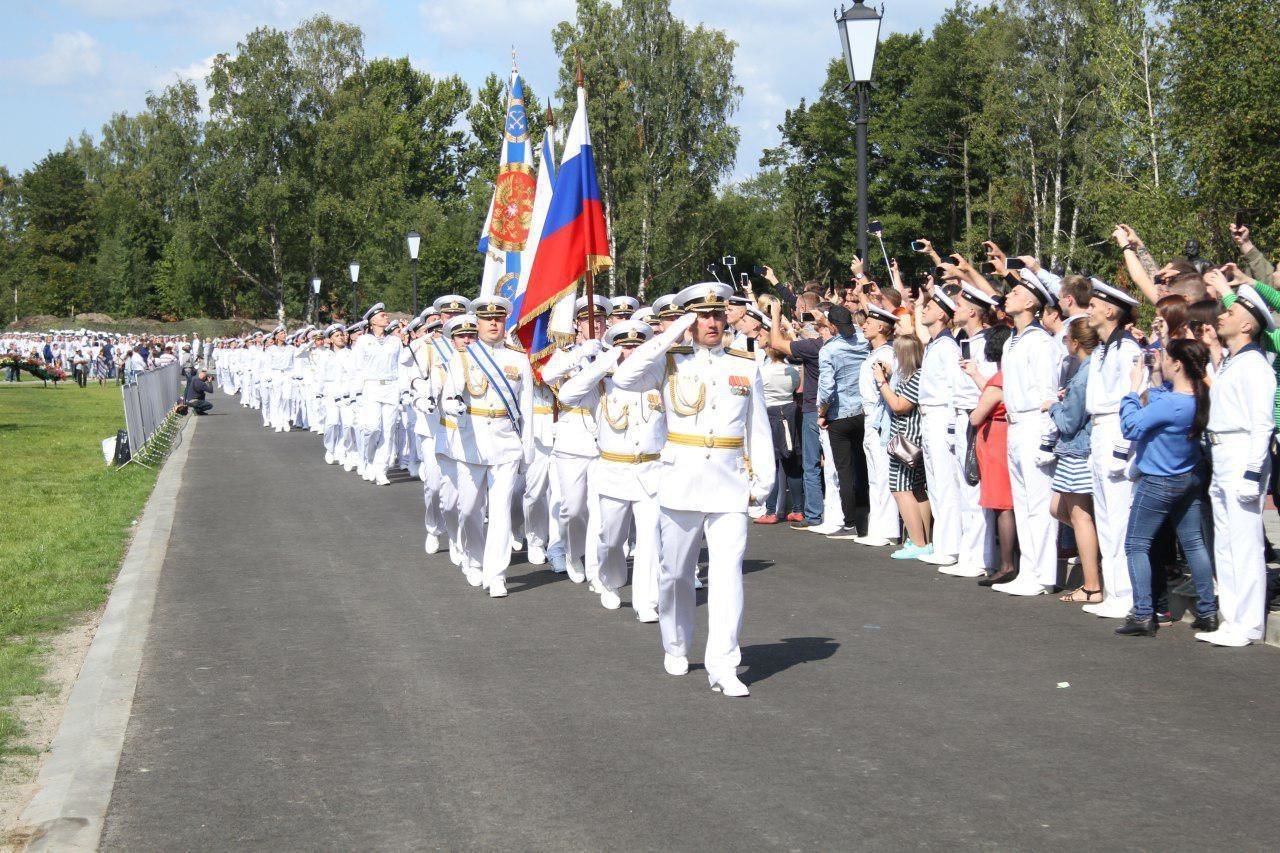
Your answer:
<point x="149" y="413"/>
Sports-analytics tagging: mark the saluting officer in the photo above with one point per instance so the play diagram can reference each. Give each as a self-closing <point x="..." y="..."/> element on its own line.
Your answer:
<point x="716" y="425"/>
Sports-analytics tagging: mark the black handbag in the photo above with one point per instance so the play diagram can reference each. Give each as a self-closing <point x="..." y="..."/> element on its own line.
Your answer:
<point x="971" y="473"/>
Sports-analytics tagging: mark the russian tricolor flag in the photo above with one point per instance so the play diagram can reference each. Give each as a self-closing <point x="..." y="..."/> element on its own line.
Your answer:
<point x="574" y="238"/>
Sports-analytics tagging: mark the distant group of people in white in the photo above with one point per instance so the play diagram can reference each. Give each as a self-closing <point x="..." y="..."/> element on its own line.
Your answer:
<point x="90" y="356"/>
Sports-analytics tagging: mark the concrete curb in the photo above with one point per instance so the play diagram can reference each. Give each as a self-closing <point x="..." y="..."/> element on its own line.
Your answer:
<point x="75" y="783"/>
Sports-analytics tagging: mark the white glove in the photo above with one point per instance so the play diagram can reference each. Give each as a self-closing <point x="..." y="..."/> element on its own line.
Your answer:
<point x="453" y="406"/>
<point x="1118" y="463"/>
<point x="1045" y="455"/>
<point x="427" y="404"/>
<point x="756" y="491"/>
<point x="590" y="348"/>
<point x="678" y="328"/>
<point x="1249" y="492"/>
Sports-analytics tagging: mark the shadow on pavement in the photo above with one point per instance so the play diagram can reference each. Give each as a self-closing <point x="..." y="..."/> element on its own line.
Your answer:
<point x="771" y="658"/>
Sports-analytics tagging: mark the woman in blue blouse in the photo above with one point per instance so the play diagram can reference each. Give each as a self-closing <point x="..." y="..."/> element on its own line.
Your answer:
<point x="1165" y="432"/>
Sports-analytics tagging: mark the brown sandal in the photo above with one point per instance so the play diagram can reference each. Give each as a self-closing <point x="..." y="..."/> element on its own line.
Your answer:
<point x="1073" y="596"/>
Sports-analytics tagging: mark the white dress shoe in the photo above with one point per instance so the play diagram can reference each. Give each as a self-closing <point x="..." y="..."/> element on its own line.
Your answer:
<point x="938" y="559"/>
<point x="824" y="529"/>
<point x="537" y="556"/>
<point x="609" y="600"/>
<point x="380" y="479"/>
<point x="1018" y="586"/>
<point x="474" y="576"/>
<point x="675" y="665"/>
<point x="516" y="544"/>
<point x="348" y="466"/>
<point x="697" y="582"/>
<point x="959" y="570"/>
<point x="594" y="588"/>
<point x="729" y="685"/>
<point x="328" y="458"/>
<point x="872" y="541"/>
<point x="1110" y="608"/>
<point x="1223" y="637"/>
<point x="455" y="554"/>
<point x="497" y="588"/>
<point x="576" y="574"/>
<point x="647" y="615"/>
<point x="432" y="544"/>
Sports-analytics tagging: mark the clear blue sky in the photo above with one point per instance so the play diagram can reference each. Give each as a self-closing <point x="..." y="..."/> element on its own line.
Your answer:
<point x="67" y="65"/>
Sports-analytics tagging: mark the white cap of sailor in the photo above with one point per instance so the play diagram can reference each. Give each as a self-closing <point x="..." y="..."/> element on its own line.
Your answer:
<point x="665" y="306"/>
<point x="1253" y="302"/>
<point x="375" y="308"/>
<point x="1114" y="295"/>
<point x="603" y="306"/>
<point x="452" y="304"/>
<point x="945" y="302"/>
<point x="491" y="307"/>
<point x="463" y="324"/>
<point x="1028" y="279"/>
<point x="624" y="306"/>
<point x="705" y="297"/>
<point x="334" y="329"/>
<point x="646" y="315"/>
<point x="875" y="312"/>
<point x="628" y="333"/>
<point x="977" y="297"/>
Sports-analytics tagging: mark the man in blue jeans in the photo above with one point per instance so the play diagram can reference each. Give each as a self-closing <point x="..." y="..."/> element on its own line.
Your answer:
<point x="805" y="351"/>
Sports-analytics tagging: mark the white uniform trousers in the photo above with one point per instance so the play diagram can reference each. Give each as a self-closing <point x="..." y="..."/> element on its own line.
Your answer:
<point x="537" y="497"/>
<point x="942" y="478"/>
<point x="266" y="396"/>
<point x="377" y="428"/>
<point x="616" y="517"/>
<point x="571" y="475"/>
<point x="449" y="503"/>
<point x="1238" y="550"/>
<point x="1032" y="487"/>
<point x="1112" y="498"/>
<point x="978" y="547"/>
<point x="680" y="532"/>
<point x="482" y="487"/>
<point x="882" y="519"/>
<point x="591" y="556"/>
<point x="429" y="474"/>
<point x="332" y="429"/>
<point x="832" y="508"/>
<point x="281" y="401"/>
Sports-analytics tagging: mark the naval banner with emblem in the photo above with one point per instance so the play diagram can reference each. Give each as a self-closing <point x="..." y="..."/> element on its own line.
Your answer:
<point x="506" y="228"/>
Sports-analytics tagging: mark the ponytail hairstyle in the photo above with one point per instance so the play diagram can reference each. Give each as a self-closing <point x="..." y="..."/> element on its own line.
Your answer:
<point x="1194" y="358"/>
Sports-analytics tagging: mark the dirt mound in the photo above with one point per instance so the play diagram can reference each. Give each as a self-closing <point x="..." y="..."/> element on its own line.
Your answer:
<point x="93" y="318"/>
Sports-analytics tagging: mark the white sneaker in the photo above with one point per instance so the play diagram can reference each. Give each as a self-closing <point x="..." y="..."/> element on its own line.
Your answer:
<point x="328" y="458"/>
<point x="872" y="541"/>
<point x="609" y="599"/>
<point x="647" y="615"/>
<point x="936" y="559"/>
<point x="729" y="685"/>
<point x="1223" y="637"/>
<point x="537" y="556"/>
<point x="675" y="665"/>
<point x="455" y="554"/>
<point x="497" y="588"/>
<point x="380" y="479"/>
<point x="433" y="544"/>
<point x="1109" y="608"/>
<point x="516" y="544"/>
<point x="594" y="588"/>
<point x="474" y="576"/>
<point x="1018" y="586"/>
<point x="576" y="574"/>
<point x="959" y="570"/>
<point x="348" y="466"/>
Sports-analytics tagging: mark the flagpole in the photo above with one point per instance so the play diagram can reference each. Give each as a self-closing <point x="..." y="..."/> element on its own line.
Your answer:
<point x="591" y="287"/>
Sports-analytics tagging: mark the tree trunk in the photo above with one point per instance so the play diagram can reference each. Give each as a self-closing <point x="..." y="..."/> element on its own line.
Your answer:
<point x="968" y="197"/>
<point x="1151" y="109"/>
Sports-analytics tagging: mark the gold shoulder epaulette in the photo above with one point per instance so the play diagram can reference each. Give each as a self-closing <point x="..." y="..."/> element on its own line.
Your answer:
<point x="739" y="353"/>
<point x="680" y="350"/>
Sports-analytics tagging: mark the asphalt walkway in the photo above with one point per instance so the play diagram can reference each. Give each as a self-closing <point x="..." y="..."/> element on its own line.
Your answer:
<point x="313" y="681"/>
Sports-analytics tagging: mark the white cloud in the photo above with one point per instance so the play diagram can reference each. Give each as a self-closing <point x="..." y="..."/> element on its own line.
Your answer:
<point x="472" y="21"/>
<point x="70" y="58"/>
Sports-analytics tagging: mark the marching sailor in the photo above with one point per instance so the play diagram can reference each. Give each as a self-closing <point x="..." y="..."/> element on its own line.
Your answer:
<point x="488" y="393"/>
<point x="431" y="362"/>
<point x="631" y="436"/>
<point x="377" y="356"/>
<point x="716" y="425"/>
<point x="575" y="436"/>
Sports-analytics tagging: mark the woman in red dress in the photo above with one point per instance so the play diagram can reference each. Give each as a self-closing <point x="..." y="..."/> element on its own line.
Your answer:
<point x="992" y="448"/>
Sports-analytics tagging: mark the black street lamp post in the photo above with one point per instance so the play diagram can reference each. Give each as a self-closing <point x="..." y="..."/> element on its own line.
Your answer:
<point x="354" y="268"/>
<point x="860" y="36"/>
<point x="413" y="239"/>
